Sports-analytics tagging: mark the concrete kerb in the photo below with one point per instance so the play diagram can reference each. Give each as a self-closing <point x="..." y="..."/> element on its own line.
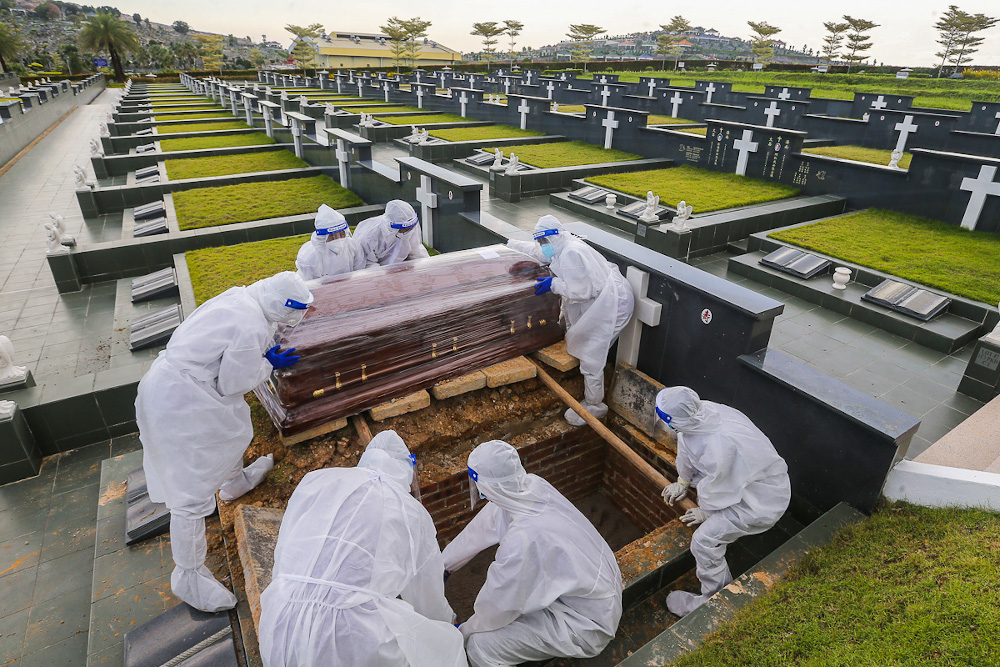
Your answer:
<point x="942" y="486"/>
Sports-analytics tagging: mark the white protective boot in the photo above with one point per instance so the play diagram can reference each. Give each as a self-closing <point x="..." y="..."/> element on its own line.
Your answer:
<point x="600" y="411"/>
<point x="191" y="581"/>
<point x="247" y="479"/>
<point x="682" y="603"/>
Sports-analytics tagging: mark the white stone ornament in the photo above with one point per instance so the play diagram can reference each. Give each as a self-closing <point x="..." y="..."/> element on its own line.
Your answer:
<point x="841" y="276"/>
<point x="425" y="137"/>
<point x="52" y="240"/>
<point x="95" y="148"/>
<point x="866" y="116"/>
<point x="104" y="130"/>
<point x="82" y="181"/>
<point x="895" y="157"/>
<point x="60" y="225"/>
<point x="497" y="160"/>
<point x="7" y="409"/>
<point x="649" y="213"/>
<point x="10" y="373"/>
<point x="684" y="211"/>
<point x="329" y="109"/>
<point x="512" y="165"/>
<point x="610" y="201"/>
<point x="555" y="106"/>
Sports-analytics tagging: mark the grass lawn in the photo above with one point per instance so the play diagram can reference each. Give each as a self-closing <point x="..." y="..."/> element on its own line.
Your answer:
<point x="935" y="254"/>
<point x="657" y="119"/>
<point x="424" y="119"/>
<point x="202" y="127"/>
<point x="703" y="189"/>
<point x="703" y="131"/>
<point x="860" y="154"/>
<point x="193" y="116"/>
<point x="209" y="207"/>
<point x="199" y="143"/>
<point x="175" y="108"/>
<point x="566" y="154"/>
<point x="174" y="101"/>
<point x="214" y="270"/>
<point x="571" y="108"/>
<point x="221" y="165"/>
<point x="385" y="108"/>
<point x="908" y="586"/>
<point x="484" y="132"/>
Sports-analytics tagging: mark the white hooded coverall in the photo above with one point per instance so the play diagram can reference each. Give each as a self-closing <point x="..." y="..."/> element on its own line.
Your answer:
<point x="554" y="588"/>
<point x="742" y="483"/>
<point x="322" y="256"/>
<point x="597" y="303"/>
<point x="358" y="576"/>
<point x="385" y="245"/>
<point x="194" y="424"/>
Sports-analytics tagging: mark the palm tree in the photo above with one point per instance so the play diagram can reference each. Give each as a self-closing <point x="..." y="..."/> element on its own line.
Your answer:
<point x="106" y="32"/>
<point x="11" y="45"/>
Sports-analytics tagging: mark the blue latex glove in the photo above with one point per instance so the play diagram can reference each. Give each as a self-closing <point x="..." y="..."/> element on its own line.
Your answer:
<point x="458" y="625"/>
<point x="279" y="359"/>
<point x="543" y="285"/>
<point x="446" y="575"/>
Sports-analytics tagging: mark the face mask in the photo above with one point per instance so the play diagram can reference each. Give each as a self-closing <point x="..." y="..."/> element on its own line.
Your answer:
<point x="336" y="246"/>
<point x="293" y="317"/>
<point x="481" y="496"/>
<point x="548" y="250"/>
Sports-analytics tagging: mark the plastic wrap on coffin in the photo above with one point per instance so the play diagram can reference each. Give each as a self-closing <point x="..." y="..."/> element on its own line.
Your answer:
<point x="385" y="332"/>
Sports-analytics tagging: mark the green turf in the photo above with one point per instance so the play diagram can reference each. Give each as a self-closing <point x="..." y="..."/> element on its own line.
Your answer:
<point x="908" y="586"/>
<point x="423" y="119"/>
<point x="214" y="270"/>
<point x="703" y="131"/>
<point x="703" y="189"/>
<point x="657" y="119"/>
<point x="202" y="127"/>
<point x="571" y="108"/>
<point x="861" y="154"/>
<point x="566" y="154"/>
<point x="178" y="108"/>
<point x="221" y="165"/>
<point x="387" y="108"/>
<point x="174" y="101"/>
<point x="201" y="143"/>
<point x="193" y="116"/>
<point x="925" y="251"/>
<point x="209" y="207"/>
<point x="484" y="132"/>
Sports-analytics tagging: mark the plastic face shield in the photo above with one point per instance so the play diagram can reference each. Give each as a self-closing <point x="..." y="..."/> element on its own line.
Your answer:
<point x="404" y="227"/>
<point x="415" y="482"/>
<point x="297" y="312"/>
<point x="666" y="419"/>
<point x="337" y="231"/>
<point x="474" y="493"/>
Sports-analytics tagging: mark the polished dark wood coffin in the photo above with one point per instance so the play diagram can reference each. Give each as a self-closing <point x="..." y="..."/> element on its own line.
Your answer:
<point x="386" y="332"/>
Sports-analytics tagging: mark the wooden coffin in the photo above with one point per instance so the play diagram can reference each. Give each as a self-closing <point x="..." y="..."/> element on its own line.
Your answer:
<point x="385" y="332"/>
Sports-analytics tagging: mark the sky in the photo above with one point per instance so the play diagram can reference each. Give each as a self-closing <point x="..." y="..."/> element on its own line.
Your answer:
<point x="905" y="36"/>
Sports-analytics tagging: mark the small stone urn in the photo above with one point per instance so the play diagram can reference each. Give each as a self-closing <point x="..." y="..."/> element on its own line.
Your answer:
<point x="610" y="201"/>
<point x="841" y="276"/>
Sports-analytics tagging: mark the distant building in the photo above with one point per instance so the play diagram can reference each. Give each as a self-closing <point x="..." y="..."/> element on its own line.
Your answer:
<point x="358" y="49"/>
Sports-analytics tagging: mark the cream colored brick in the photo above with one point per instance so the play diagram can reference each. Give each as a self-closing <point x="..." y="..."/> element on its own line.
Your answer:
<point x="557" y="357"/>
<point x="322" y="429"/>
<point x="509" y="372"/>
<point x="400" y="406"/>
<point x="460" y="385"/>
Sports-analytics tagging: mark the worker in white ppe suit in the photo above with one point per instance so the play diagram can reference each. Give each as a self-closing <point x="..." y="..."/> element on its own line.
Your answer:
<point x="392" y="237"/>
<point x="597" y="303"/>
<point x="358" y="576"/>
<point x="555" y="589"/>
<point x="742" y="483"/>
<point x="331" y="250"/>
<point x="195" y="426"/>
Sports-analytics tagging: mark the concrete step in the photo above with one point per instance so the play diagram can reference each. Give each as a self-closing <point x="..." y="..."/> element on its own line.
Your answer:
<point x="737" y="247"/>
<point x="688" y="633"/>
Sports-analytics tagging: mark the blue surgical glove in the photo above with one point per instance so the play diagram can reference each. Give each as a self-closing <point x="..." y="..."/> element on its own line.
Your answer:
<point x="446" y="575"/>
<point x="279" y="359"/>
<point x="543" y="285"/>
<point x="458" y="625"/>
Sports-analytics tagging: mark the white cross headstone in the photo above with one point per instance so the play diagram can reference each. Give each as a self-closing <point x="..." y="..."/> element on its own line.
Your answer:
<point x="351" y="79"/>
<point x="605" y="94"/>
<point x="652" y="87"/>
<point x="418" y="77"/>
<point x="420" y="97"/>
<point x="506" y="86"/>
<point x="675" y="102"/>
<point x="771" y="112"/>
<point x="745" y="146"/>
<point x="523" y="109"/>
<point x="361" y="88"/>
<point x="552" y="87"/>
<point x="646" y="312"/>
<point x="905" y="129"/>
<point x="463" y="99"/>
<point x="472" y="81"/>
<point x="709" y="90"/>
<point x="563" y="77"/>
<point x="443" y="75"/>
<point x="386" y="88"/>
<point x="880" y="103"/>
<point x="527" y="77"/>
<point x="981" y="188"/>
<point x="784" y="94"/>
<point x="610" y="125"/>
<point x="998" y="123"/>
<point x="604" y="79"/>
<point x="428" y="202"/>
<point x="344" y="163"/>
<point x="338" y="83"/>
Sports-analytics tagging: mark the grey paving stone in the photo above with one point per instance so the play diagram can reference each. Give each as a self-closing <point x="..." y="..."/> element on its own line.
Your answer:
<point x="57" y="619"/>
<point x="18" y="589"/>
<point x="64" y="575"/>
<point x="70" y="652"/>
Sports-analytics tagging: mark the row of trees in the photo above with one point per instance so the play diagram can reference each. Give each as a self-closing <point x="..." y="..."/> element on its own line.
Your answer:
<point x="491" y="30"/>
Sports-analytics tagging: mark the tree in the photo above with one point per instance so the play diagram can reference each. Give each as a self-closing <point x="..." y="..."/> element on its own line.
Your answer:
<point x="416" y="28"/>
<point x="48" y="11"/>
<point x="582" y="35"/>
<point x="397" y="36"/>
<point x="761" y="42"/>
<point x="669" y="42"/>
<point x="834" y="38"/>
<point x="181" y="27"/>
<point x="186" y="52"/>
<point x="305" y="49"/>
<point x="136" y="18"/>
<point x="488" y="30"/>
<point x="857" y="41"/>
<point x="956" y="30"/>
<point x="512" y="28"/>
<point x="210" y="50"/>
<point x="256" y="58"/>
<point x="11" y="45"/>
<point x="70" y="55"/>
<point x="106" y="32"/>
